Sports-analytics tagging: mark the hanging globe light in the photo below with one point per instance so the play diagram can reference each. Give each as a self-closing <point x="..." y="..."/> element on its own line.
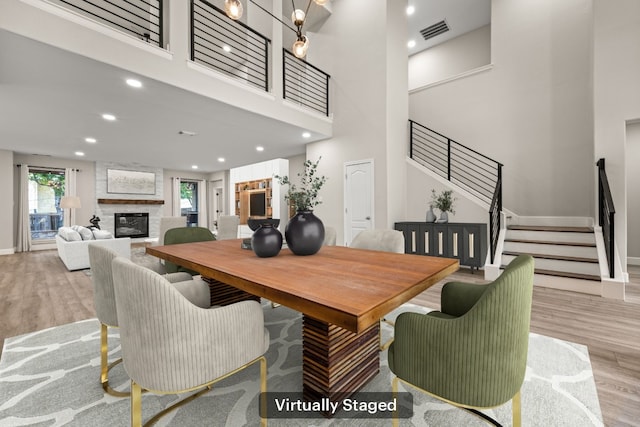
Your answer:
<point x="233" y="9"/>
<point x="297" y="17"/>
<point x="300" y="47"/>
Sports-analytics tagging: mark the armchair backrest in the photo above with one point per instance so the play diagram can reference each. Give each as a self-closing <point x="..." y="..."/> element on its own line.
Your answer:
<point x="100" y="258"/>
<point x="228" y="227"/>
<point x="379" y="240"/>
<point x="329" y="236"/>
<point x="185" y="235"/>
<point x="169" y="222"/>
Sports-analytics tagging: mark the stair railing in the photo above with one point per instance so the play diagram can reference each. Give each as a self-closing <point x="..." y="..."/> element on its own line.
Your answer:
<point x="606" y="215"/>
<point x="478" y="174"/>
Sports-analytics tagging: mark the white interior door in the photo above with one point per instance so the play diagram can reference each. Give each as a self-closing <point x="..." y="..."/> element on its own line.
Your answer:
<point x="358" y="198"/>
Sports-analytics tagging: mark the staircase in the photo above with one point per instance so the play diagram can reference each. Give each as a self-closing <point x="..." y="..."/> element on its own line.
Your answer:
<point x="564" y="249"/>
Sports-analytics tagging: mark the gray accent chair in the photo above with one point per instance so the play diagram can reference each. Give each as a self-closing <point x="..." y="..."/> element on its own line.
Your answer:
<point x="171" y="346"/>
<point x="169" y="222"/>
<point x="227" y="227"/>
<point x="380" y="240"/>
<point x="329" y="236"/>
<point x="100" y="258"/>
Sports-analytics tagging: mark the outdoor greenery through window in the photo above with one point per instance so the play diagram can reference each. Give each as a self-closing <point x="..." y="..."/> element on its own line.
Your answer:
<point x="189" y="202"/>
<point x="46" y="187"/>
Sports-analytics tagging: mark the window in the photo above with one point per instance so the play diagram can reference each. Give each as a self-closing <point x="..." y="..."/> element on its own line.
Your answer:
<point x="46" y="187"/>
<point x="189" y="202"/>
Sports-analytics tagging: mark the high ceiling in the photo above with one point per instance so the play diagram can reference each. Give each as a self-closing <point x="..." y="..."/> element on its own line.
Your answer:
<point x="51" y="100"/>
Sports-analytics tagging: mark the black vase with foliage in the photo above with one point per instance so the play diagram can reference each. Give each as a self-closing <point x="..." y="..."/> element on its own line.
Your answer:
<point x="304" y="232"/>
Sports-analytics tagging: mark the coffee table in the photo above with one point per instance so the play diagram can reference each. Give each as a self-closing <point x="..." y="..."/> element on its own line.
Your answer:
<point x="341" y="292"/>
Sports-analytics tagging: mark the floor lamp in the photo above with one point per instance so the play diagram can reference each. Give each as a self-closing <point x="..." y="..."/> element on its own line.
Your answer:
<point x="71" y="203"/>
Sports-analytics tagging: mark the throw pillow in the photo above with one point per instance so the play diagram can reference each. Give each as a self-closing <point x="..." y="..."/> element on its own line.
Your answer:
<point x="85" y="233"/>
<point x="102" y="234"/>
<point x="69" y="234"/>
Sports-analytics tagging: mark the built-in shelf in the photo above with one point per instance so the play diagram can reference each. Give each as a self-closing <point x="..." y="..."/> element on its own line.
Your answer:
<point x="130" y="202"/>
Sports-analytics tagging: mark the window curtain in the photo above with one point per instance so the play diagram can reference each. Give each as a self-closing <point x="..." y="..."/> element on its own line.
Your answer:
<point x="70" y="189"/>
<point x="24" y="224"/>
<point x="202" y="204"/>
<point x="175" y="190"/>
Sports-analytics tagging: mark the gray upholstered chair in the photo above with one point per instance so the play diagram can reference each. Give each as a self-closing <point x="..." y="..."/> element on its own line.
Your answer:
<point x="329" y="236"/>
<point x="227" y="227"/>
<point x="100" y="258"/>
<point x="472" y="353"/>
<point x="169" y="222"/>
<point x="380" y="240"/>
<point x="181" y="347"/>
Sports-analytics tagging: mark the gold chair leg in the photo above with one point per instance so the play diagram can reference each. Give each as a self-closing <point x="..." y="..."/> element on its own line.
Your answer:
<point x="263" y="391"/>
<point x="386" y="345"/>
<point x="105" y="367"/>
<point x="136" y="405"/>
<point x="517" y="410"/>
<point x="394" y="390"/>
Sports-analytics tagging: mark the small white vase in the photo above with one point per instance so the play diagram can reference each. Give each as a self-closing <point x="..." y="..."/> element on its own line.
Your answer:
<point x="431" y="217"/>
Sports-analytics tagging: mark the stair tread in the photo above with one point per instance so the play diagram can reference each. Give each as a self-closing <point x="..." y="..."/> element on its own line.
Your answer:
<point x="554" y="257"/>
<point x="548" y="242"/>
<point x="564" y="274"/>
<point x="551" y="228"/>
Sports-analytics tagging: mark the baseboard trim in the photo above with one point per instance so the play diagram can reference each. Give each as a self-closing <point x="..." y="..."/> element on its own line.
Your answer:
<point x="8" y="251"/>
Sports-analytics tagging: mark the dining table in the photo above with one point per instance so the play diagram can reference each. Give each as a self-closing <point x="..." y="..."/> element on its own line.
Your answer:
<point x="342" y="293"/>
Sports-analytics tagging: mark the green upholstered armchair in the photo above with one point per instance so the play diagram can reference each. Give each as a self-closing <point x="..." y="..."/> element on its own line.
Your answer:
<point x="473" y="353"/>
<point x="178" y="235"/>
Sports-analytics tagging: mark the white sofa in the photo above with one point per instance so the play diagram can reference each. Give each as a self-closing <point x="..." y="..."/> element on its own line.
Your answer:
<point x="74" y="253"/>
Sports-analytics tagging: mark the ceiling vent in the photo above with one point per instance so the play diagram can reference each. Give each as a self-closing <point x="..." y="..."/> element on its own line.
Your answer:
<point x="434" y="30"/>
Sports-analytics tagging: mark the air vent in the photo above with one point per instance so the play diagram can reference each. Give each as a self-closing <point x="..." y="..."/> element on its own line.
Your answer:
<point x="434" y="30"/>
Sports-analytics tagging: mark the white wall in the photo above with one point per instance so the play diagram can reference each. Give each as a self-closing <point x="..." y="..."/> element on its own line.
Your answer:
<point x="616" y="97"/>
<point x="633" y="192"/>
<point x="369" y="92"/>
<point x="453" y="57"/>
<point x="532" y="111"/>
<point x="8" y="214"/>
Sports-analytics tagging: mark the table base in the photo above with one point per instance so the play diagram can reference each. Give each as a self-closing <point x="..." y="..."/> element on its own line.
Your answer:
<point x="336" y="362"/>
<point x="223" y="294"/>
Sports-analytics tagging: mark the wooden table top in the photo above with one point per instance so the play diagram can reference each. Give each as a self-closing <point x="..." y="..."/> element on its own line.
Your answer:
<point x="352" y="288"/>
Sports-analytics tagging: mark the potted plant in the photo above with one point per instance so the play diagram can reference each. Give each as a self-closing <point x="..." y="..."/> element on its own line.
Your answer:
<point x="444" y="203"/>
<point x="304" y="232"/>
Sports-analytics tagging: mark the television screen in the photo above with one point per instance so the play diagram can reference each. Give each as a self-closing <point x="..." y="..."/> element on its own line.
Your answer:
<point x="258" y="204"/>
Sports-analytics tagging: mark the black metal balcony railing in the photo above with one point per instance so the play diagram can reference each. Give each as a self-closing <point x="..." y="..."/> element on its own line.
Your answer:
<point x="606" y="216"/>
<point x="139" y="18"/>
<point x="227" y="46"/>
<point x="463" y="166"/>
<point x="304" y="84"/>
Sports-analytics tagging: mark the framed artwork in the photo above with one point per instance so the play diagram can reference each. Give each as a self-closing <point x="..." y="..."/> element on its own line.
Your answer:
<point x="130" y="182"/>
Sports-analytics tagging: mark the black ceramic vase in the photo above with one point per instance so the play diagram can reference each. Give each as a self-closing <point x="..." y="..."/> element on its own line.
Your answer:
<point x="304" y="233"/>
<point x="266" y="241"/>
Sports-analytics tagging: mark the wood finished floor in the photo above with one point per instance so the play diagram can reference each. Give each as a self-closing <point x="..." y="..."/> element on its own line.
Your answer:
<point x="38" y="292"/>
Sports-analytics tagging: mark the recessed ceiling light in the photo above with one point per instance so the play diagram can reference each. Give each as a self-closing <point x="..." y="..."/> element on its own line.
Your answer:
<point x="79" y="153"/>
<point x="226" y="48"/>
<point x="410" y="10"/>
<point x="411" y="43"/>
<point x="90" y="140"/>
<point x="134" y="83"/>
<point x="109" y="117"/>
<point x="259" y="148"/>
<point x="221" y="159"/>
<point x="306" y="135"/>
<point x="194" y="166"/>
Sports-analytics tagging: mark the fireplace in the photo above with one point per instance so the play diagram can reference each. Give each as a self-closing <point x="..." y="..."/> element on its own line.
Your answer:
<point x="131" y="224"/>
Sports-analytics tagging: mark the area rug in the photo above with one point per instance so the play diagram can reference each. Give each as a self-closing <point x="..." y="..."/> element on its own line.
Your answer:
<point x="51" y="378"/>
